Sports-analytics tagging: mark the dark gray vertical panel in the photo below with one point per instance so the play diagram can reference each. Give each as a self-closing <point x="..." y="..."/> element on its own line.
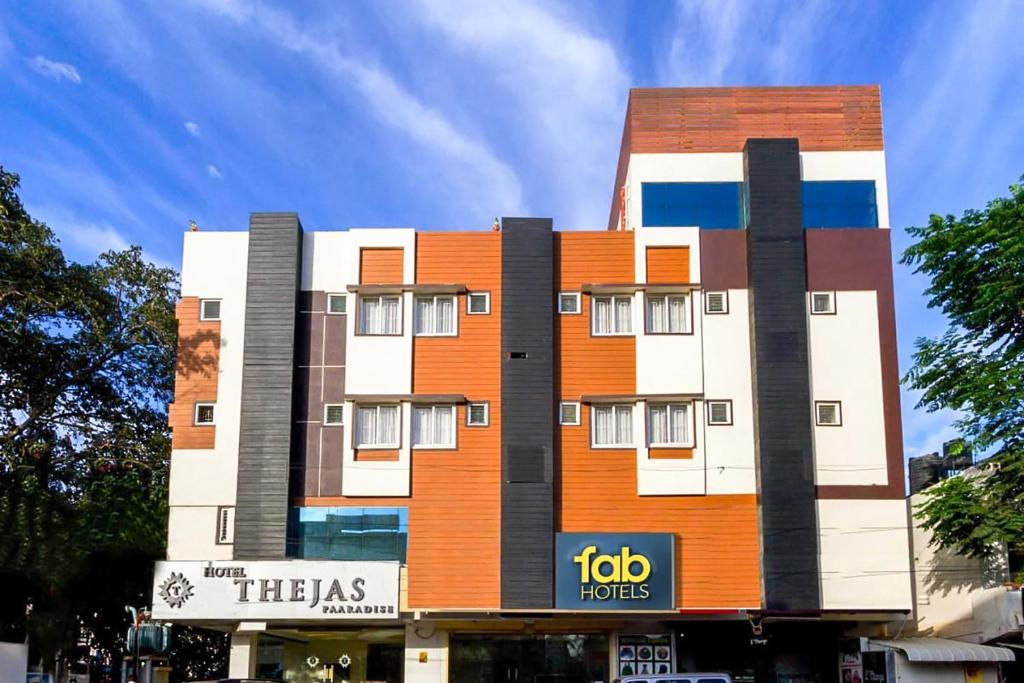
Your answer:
<point x="527" y="413"/>
<point x="782" y="402"/>
<point x="261" y="513"/>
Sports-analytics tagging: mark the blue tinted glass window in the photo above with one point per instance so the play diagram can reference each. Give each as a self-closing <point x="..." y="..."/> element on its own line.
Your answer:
<point x="348" y="533"/>
<point x="707" y="205"/>
<point x="840" y="204"/>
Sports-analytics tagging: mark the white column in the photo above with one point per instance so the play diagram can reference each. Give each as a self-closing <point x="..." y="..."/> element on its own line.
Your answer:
<point x="242" y="661"/>
<point x="426" y="654"/>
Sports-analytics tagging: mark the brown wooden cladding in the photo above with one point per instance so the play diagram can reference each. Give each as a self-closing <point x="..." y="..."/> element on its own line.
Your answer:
<point x="670" y="453"/>
<point x="381" y="266"/>
<point x="376" y="455"/>
<point x="455" y="508"/>
<point x="196" y="373"/>
<point x="588" y="364"/>
<point x="681" y="120"/>
<point x="668" y="265"/>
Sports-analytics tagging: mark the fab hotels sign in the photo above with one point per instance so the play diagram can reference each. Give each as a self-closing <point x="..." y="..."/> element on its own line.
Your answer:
<point x="285" y="589"/>
<point x="615" y="571"/>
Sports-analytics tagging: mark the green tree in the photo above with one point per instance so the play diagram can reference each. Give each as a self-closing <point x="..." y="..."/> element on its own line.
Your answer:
<point x="87" y="354"/>
<point x="976" y="267"/>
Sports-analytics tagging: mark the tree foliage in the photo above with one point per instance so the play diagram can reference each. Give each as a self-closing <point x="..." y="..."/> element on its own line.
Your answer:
<point x="976" y="267"/>
<point x="86" y="372"/>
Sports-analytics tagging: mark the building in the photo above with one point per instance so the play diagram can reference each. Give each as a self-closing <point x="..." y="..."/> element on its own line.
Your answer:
<point x="529" y="454"/>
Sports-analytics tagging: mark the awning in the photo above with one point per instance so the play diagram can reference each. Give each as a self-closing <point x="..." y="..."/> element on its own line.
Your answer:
<point x="942" y="650"/>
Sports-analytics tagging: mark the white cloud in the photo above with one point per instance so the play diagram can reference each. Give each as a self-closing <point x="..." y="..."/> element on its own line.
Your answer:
<point x="213" y="171"/>
<point x="83" y="239"/>
<point x="193" y="128"/>
<point x="55" y="70"/>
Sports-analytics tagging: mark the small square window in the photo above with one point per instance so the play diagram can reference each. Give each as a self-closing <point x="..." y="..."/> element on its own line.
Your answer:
<point x="569" y="303"/>
<point x="478" y="303"/>
<point x="334" y="414"/>
<point x="719" y="412"/>
<point x="204" y="413"/>
<point x="209" y="309"/>
<point x="569" y="414"/>
<point x="823" y="303"/>
<point x="337" y="304"/>
<point x="828" y="413"/>
<point x="716" y="302"/>
<point x="477" y="415"/>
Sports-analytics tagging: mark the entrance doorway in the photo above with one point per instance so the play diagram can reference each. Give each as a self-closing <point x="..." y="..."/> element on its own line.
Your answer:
<point x="495" y="658"/>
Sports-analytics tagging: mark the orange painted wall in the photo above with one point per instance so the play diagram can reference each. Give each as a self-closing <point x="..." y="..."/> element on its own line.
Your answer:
<point x="380" y="266"/>
<point x="195" y="375"/>
<point x="593" y="365"/>
<point x="668" y="265"/>
<point x="455" y="509"/>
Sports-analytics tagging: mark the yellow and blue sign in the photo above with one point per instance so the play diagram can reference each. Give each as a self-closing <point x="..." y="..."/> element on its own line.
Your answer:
<point x="595" y="571"/>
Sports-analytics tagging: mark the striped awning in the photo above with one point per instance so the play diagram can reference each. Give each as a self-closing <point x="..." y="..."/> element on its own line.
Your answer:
<point x="942" y="650"/>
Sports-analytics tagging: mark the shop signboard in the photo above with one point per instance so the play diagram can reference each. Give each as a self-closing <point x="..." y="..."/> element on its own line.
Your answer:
<point x="286" y="589"/>
<point x="616" y="572"/>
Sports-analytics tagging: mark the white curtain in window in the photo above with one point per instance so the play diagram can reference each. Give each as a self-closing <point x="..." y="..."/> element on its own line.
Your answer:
<point x="445" y="315"/>
<point x="388" y="425"/>
<point x="623" y="424"/>
<point x="369" y="315"/>
<point x="623" y="315"/>
<point x="657" y="427"/>
<point x="602" y="316"/>
<point x="604" y="430"/>
<point x="680" y="418"/>
<point x="392" y="315"/>
<point x="443" y="425"/>
<point x="677" y="314"/>
<point x="656" y="317"/>
<point x="367" y="426"/>
<point x="424" y="316"/>
<point x="422" y="426"/>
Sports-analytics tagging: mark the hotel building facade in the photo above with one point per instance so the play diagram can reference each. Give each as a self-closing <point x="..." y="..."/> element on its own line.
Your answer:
<point x="529" y="454"/>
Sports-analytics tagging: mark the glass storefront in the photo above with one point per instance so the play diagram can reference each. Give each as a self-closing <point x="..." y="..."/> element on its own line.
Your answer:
<point x="495" y="658"/>
<point x="319" y="657"/>
<point x="348" y="533"/>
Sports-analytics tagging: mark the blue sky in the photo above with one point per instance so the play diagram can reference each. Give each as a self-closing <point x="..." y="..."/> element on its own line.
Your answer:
<point x="126" y="119"/>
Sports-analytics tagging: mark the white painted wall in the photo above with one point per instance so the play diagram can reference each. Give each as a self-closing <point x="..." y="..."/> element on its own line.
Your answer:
<point x="242" y="659"/>
<point x="214" y="265"/>
<point x="377" y="478"/>
<point x="846" y="366"/>
<point x="327" y="262"/>
<point x="865" y="554"/>
<point x="434" y="645"/>
<point x="669" y="476"/>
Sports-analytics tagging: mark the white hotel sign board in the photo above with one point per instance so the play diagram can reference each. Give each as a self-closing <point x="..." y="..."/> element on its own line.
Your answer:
<point x="286" y="589"/>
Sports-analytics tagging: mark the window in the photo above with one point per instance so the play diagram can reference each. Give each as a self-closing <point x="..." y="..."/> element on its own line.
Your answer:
<point x="477" y="414"/>
<point x="716" y="302"/>
<point x="719" y="412"/>
<point x="823" y="303"/>
<point x="433" y="426"/>
<point x="828" y="413"/>
<point x="667" y="315"/>
<point x="478" y="303"/>
<point x="705" y="205"/>
<point x="225" y="525"/>
<point x="435" y="316"/>
<point x="348" y="533"/>
<point x="613" y="315"/>
<point x="569" y="303"/>
<point x="668" y="424"/>
<point x="209" y="309"/>
<point x="380" y="315"/>
<point x="377" y="426"/>
<point x="336" y="304"/>
<point x="334" y="414"/>
<point x="204" y="413"/>
<point x="569" y="413"/>
<point x="613" y="426"/>
<point x="839" y="204"/>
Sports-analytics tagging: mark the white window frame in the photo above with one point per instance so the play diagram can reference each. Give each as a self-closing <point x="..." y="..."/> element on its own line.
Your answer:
<point x="328" y="406"/>
<point x="487" y="414"/>
<point x="202" y="309"/>
<point x="361" y="321"/>
<point x="561" y="414"/>
<point x="434" y="298"/>
<point x="195" y="413"/>
<point x="487" y="303"/>
<point x="614" y="299"/>
<point x="831" y="303"/>
<point x="725" y="302"/>
<point x="615" y="409"/>
<point x="336" y="295"/>
<point x="691" y="439"/>
<point x="687" y="312"/>
<point x="576" y="297"/>
<point x="839" y="414"/>
<point x="728" y="411"/>
<point x="434" y="445"/>
<point x="357" y="430"/>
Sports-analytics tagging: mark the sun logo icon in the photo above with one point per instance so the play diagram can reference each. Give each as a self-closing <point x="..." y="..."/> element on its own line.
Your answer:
<point x="176" y="589"/>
